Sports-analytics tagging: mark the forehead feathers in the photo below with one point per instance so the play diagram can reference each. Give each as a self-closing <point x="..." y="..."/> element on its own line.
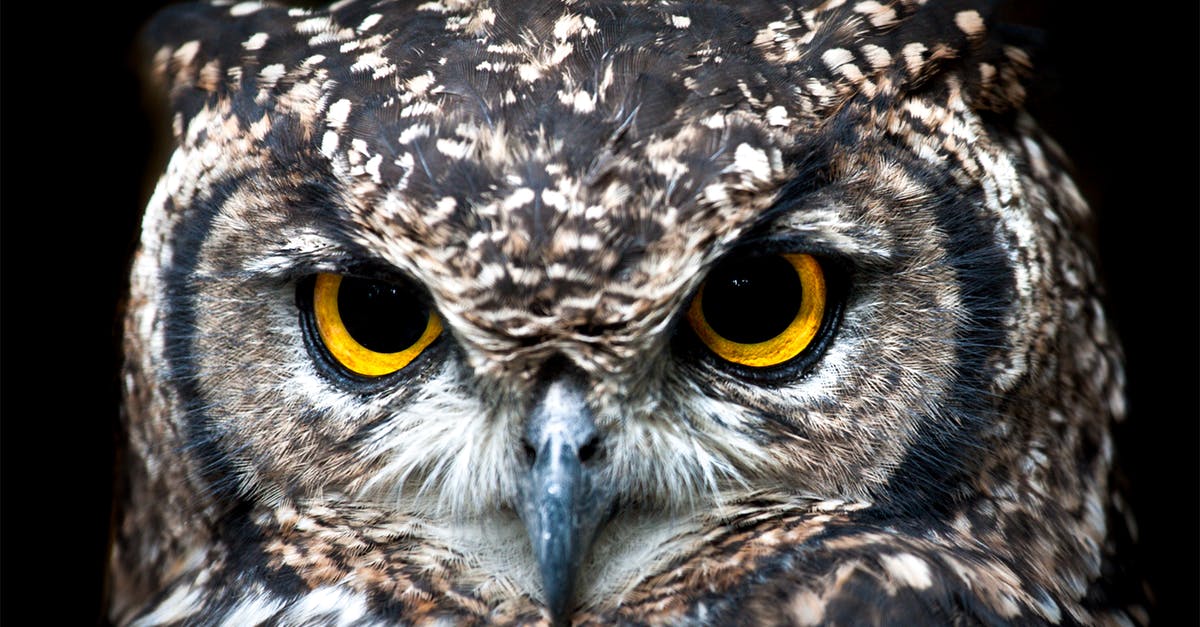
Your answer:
<point x="562" y="170"/>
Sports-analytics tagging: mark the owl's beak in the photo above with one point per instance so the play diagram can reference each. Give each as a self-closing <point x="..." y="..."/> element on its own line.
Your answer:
<point x="562" y="504"/>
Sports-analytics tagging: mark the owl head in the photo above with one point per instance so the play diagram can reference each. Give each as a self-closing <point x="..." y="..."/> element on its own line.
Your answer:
<point x="561" y="288"/>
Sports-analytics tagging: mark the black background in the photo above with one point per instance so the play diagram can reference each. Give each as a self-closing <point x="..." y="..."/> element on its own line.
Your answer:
<point x="1118" y="88"/>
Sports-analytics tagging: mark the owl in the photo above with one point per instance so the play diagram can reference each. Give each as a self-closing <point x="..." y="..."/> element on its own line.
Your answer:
<point x="684" y="312"/>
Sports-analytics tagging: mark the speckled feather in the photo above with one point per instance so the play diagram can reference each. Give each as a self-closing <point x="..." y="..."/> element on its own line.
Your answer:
<point x="559" y="178"/>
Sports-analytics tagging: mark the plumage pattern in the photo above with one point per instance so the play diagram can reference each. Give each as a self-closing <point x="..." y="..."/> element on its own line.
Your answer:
<point x="559" y="180"/>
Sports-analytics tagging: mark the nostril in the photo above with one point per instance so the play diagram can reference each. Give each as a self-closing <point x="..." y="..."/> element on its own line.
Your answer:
<point x="589" y="449"/>
<point x="529" y="452"/>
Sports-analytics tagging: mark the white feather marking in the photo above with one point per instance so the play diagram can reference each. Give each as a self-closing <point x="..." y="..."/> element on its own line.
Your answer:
<point x="329" y="144"/>
<point x="914" y="58"/>
<point x="338" y="113"/>
<point x="412" y="133"/>
<point x="181" y="604"/>
<point x="375" y="63"/>
<point x="969" y="22"/>
<point x="421" y="107"/>
<point x="528" y="72"/>
<point x="556" y="199"/>
<point x="807" y="608"/>
<point x="877" y="56"/>
<point x="420" y="84"/>
<point x="271" y="74"/>
<point x="777" y="116"/>
<point x="583" y="102"/>
<point x="372" y="168"/>
<point x="566" y="26"/>
<point x="244" y="8"/>
<point x="256" y="41"/>
<point x="836" y="57"/>
<point x="253" y="610"/>
<point x="328" y="602"/>
<point x="368" y="22"/>
<point x="453" y="149"/>
<point x="908" y="569"/>
<point x="877" y="14"/>
<point x="561" y="51"/>
<point x="519" y="198"/>
<point x="314" y="25"/>
<point x="752" y="161"/>
<point x="186" y="53"/>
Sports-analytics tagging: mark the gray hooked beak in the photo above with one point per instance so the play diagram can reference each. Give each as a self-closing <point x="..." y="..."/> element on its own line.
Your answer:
<point x="562" y="504"/>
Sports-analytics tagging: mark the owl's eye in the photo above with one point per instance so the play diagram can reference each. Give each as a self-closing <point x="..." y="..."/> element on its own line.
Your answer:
<point x="372" y="328"/>
<point x="760" y="311"/>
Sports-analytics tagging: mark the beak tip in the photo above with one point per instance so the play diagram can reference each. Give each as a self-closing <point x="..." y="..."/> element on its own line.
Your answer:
<point x="559" y="615"/>
<point x="558" y="565"/>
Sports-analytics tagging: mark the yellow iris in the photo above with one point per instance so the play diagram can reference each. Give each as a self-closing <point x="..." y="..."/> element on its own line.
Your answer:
<point x="782" y="345"/>
<point x="347" y="350"/>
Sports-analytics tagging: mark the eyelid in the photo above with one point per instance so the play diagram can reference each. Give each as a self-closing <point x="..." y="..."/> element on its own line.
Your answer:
<point x="826" y="232"/>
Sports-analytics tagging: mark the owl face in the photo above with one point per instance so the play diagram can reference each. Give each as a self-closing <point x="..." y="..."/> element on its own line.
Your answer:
<point x="556" y="286"/>
<point x="580" y="253"/>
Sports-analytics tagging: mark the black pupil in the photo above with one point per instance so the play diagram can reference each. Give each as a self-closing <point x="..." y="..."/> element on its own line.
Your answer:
<point x="383" y="317"/>
<point x="752" y="299"/>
